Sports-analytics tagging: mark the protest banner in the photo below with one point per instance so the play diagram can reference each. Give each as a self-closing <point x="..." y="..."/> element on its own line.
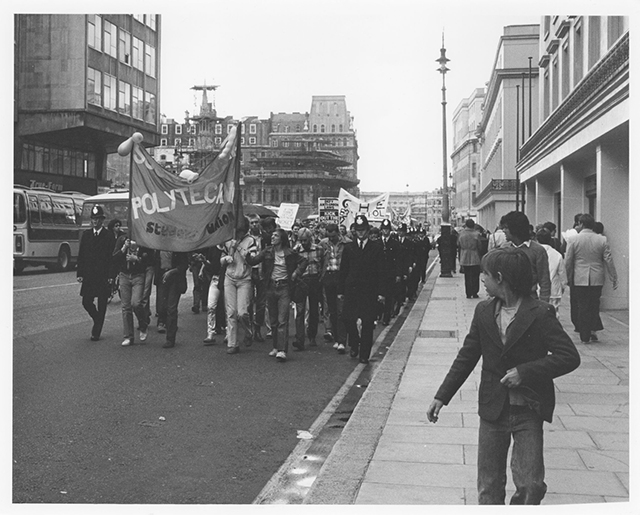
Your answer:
<point x="329" y="210"/>
<point x="350" y="206"/>
<point x="172" y="213"/>
<point x="287" y="215"/>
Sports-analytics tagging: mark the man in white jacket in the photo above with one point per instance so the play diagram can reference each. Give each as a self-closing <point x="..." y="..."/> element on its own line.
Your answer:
<point x="557" y="271"/>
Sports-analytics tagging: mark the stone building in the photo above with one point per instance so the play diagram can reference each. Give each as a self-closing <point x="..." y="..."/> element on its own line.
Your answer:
<point x="577" y="161"/>
<point x="500" y="125"/>
<point x="83" y="84"/>
<point x="465" y="158"/>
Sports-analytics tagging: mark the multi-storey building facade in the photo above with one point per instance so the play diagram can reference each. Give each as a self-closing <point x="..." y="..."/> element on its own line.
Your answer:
<point x="577" y="161"/>
<point x="83" y="84"/>
<point x="500" y="125"/>
<point x="465" y="157"/>
<point x="289" y="157"/>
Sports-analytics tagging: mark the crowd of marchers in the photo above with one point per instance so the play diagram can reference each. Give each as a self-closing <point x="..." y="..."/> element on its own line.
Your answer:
<point x="348" y="280"/>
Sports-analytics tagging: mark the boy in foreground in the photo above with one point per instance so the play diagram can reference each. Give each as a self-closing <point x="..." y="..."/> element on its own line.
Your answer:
<point x="523" y="348"/>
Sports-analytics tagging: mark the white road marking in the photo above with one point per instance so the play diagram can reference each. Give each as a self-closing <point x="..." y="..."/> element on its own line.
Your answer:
<point x="50" y="286"/>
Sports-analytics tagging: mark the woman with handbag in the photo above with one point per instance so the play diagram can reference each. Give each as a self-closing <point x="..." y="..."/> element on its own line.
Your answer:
<point x="283" y="269"/>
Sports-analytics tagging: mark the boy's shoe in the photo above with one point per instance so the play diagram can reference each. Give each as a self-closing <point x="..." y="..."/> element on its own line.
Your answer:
<point x="233" y="350"/>
<point x="281" y="356"/>
<point x="341" y="349"/>
<point x="162" y="328"/>
<point x="126" y="342"/>
<point x="209" y="340"/>
<point x="328" y="337"/>
<point x="273" y="353"/>
<point x="143" y="336"/>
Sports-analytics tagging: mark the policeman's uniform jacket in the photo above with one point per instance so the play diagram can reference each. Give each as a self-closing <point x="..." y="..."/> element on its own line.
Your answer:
<point x="360" y="279"/>
<point x="95" y="263"/>
<point x="536" y="345"/>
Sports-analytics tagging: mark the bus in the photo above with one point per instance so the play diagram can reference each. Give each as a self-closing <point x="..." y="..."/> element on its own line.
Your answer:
<point x="46" y="228"/>
<point x="115" y="205"/>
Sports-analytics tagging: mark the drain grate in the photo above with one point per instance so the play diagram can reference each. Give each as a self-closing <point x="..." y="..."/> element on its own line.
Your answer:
<point x="437" y="334"/>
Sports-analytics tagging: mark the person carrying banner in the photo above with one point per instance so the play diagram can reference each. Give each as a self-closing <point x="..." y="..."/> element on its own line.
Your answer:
<point x="283" y="268"/>
<point x="257" y="307"/>
<point x="171" y="281"/>
<point x="237" y="284"/>
<point x="360" y="287"/>
<point x="94" y="269"/>
<point x="131" y="262"/>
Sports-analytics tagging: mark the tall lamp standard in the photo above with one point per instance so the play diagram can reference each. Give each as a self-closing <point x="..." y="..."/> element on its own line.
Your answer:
<point x="445" y="243"/>
<point x="262" y="181"/>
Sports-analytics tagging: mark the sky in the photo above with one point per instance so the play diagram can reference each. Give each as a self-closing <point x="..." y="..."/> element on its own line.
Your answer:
<point x="274" y="55"/>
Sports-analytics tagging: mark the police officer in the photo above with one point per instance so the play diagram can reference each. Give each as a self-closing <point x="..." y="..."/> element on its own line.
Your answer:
<point x="407" y="264"/>
<point x="360" y="287"/>
<point x="94" y="269"/>
<point x="391" y="272"/>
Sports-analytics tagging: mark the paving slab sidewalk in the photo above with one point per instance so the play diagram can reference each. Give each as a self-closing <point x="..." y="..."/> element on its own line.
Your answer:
<point x="390" y="454"/>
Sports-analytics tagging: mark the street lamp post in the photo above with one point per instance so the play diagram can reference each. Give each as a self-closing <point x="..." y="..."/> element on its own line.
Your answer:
<point x="262" y="181"/>
<point x="445" y="246"/>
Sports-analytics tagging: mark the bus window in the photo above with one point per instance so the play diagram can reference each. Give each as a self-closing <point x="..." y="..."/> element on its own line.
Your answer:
<point x="19" y="209"/>
<point x="77" y="211"/>
<point x="46" y="209"/>
<point x="63" y="213"/>
<point x="34" y="210"/>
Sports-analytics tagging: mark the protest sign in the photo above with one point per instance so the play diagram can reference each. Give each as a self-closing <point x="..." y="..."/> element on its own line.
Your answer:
<point x="350" y="206"/>
<point x="287" y="215"/>
<point x="329" y="210"/>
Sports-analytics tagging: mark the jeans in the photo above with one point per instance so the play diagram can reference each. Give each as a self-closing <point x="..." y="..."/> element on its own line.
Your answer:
<point x="259" y="300"/>
<point x="167" y="306"/>
<point x="334" y="307"/>
<point x="314" y="304"/>
<point x="527" y="458"/>
<point x="278" y="301"/>
<point x="132" y="296"/>
<point x="212" y="305"/>
<point x="148" y="285"/>
<point x="237" y="297"/>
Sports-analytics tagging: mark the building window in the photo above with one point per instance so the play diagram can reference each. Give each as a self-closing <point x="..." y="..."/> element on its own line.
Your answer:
<point x="177" y="142"/>
<point x="333" y="128"/>
<point x="286" y="128"/>
<point x="229" y="127"/>
<point x="217" y="140"/>
<point x="94" y="87"/>
<point x="578" y="54"/>
<point x="139" y="17"/>
<point x="615" y="26"/>
<point x="275" y="197"/>
<point x="178" y="129"/>
<point x="594" y="40"/>
<point x="192" y="142"/>
<point x="322" y="128"/>
<point x="241" y="141"/>
<point x="150" y="20"/>
<point x="124" y="98"/>
<point x="274" y="142"/>
<point x="163" y="142"/>
<point x="110" y="92"/>
<point x="297" y="127"/>
<point x="555" y="79"/>
<point x="150" y="60"/>
<point x="137" y="101"/>
<point x="137" y="54"/>
<point x="124" y="44"/>
<point x="566" y="67"/>
<point x="218" y="129"/>
<point x="340" y="128"/>
<point x="285" y="143"/>
<point x="473" y="170"/>
<point x="149" y="107"/>
<point x="252" y="128"/>
<point x="297" y="144"/>
<point x="164" y="129"/>
<point x="252" y="140"/>
<point x="286" y="195"/>
<point x="110" y="39"/>
<point x="315" y="128"/>
<point x="94" y="35"/>
<point x="546" y="95"/>
<point x="299" y="195"/>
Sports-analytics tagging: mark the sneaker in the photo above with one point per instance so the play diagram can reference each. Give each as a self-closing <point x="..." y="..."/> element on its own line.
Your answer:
<point x="341" y="349"/>
<point x="336" y="345"/>
<point x="209" y="340"/>
<point x="162" y="328"/>
<point x="126" y="342"/>
<point x="233" y="350"/>
<point x="281" y="356"/>
<point x="273" y="353"/>
<point x="143" y="336"/>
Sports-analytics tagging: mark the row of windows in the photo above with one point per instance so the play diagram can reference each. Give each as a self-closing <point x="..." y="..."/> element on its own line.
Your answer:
<point x="38" y="158"/>
<point x="150" y="20"/>
<point x="272" y="195"/>
<point x="192" y="141"/>
<point x="105" y="37"/>
<point x="53" y="210"/>
<point x="117" y="95"/>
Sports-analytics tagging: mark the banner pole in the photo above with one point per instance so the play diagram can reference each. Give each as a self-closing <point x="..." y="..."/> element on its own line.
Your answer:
<point x="130" y="194"/>
<point x="238" y="209"/>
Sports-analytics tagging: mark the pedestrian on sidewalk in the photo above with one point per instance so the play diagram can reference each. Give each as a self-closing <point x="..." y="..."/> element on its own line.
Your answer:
<point x="361" y="289"/>
<point x="557" y="271"/>
<point x="523" y="348"/>
<point x="470" y="248"/>
<point x="588" y="257"/>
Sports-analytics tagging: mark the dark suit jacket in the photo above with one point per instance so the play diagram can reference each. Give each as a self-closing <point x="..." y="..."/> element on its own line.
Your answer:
<point x="94" y="262"/>
<point x="360" y="279"/>
<point x="537" y="346"/>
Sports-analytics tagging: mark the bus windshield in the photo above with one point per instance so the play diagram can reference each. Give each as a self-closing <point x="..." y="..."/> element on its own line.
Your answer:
<point x="19" y="208"/>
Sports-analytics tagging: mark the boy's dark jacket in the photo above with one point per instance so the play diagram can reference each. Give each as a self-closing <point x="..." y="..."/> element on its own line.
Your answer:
<point x="536" y="345"/>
